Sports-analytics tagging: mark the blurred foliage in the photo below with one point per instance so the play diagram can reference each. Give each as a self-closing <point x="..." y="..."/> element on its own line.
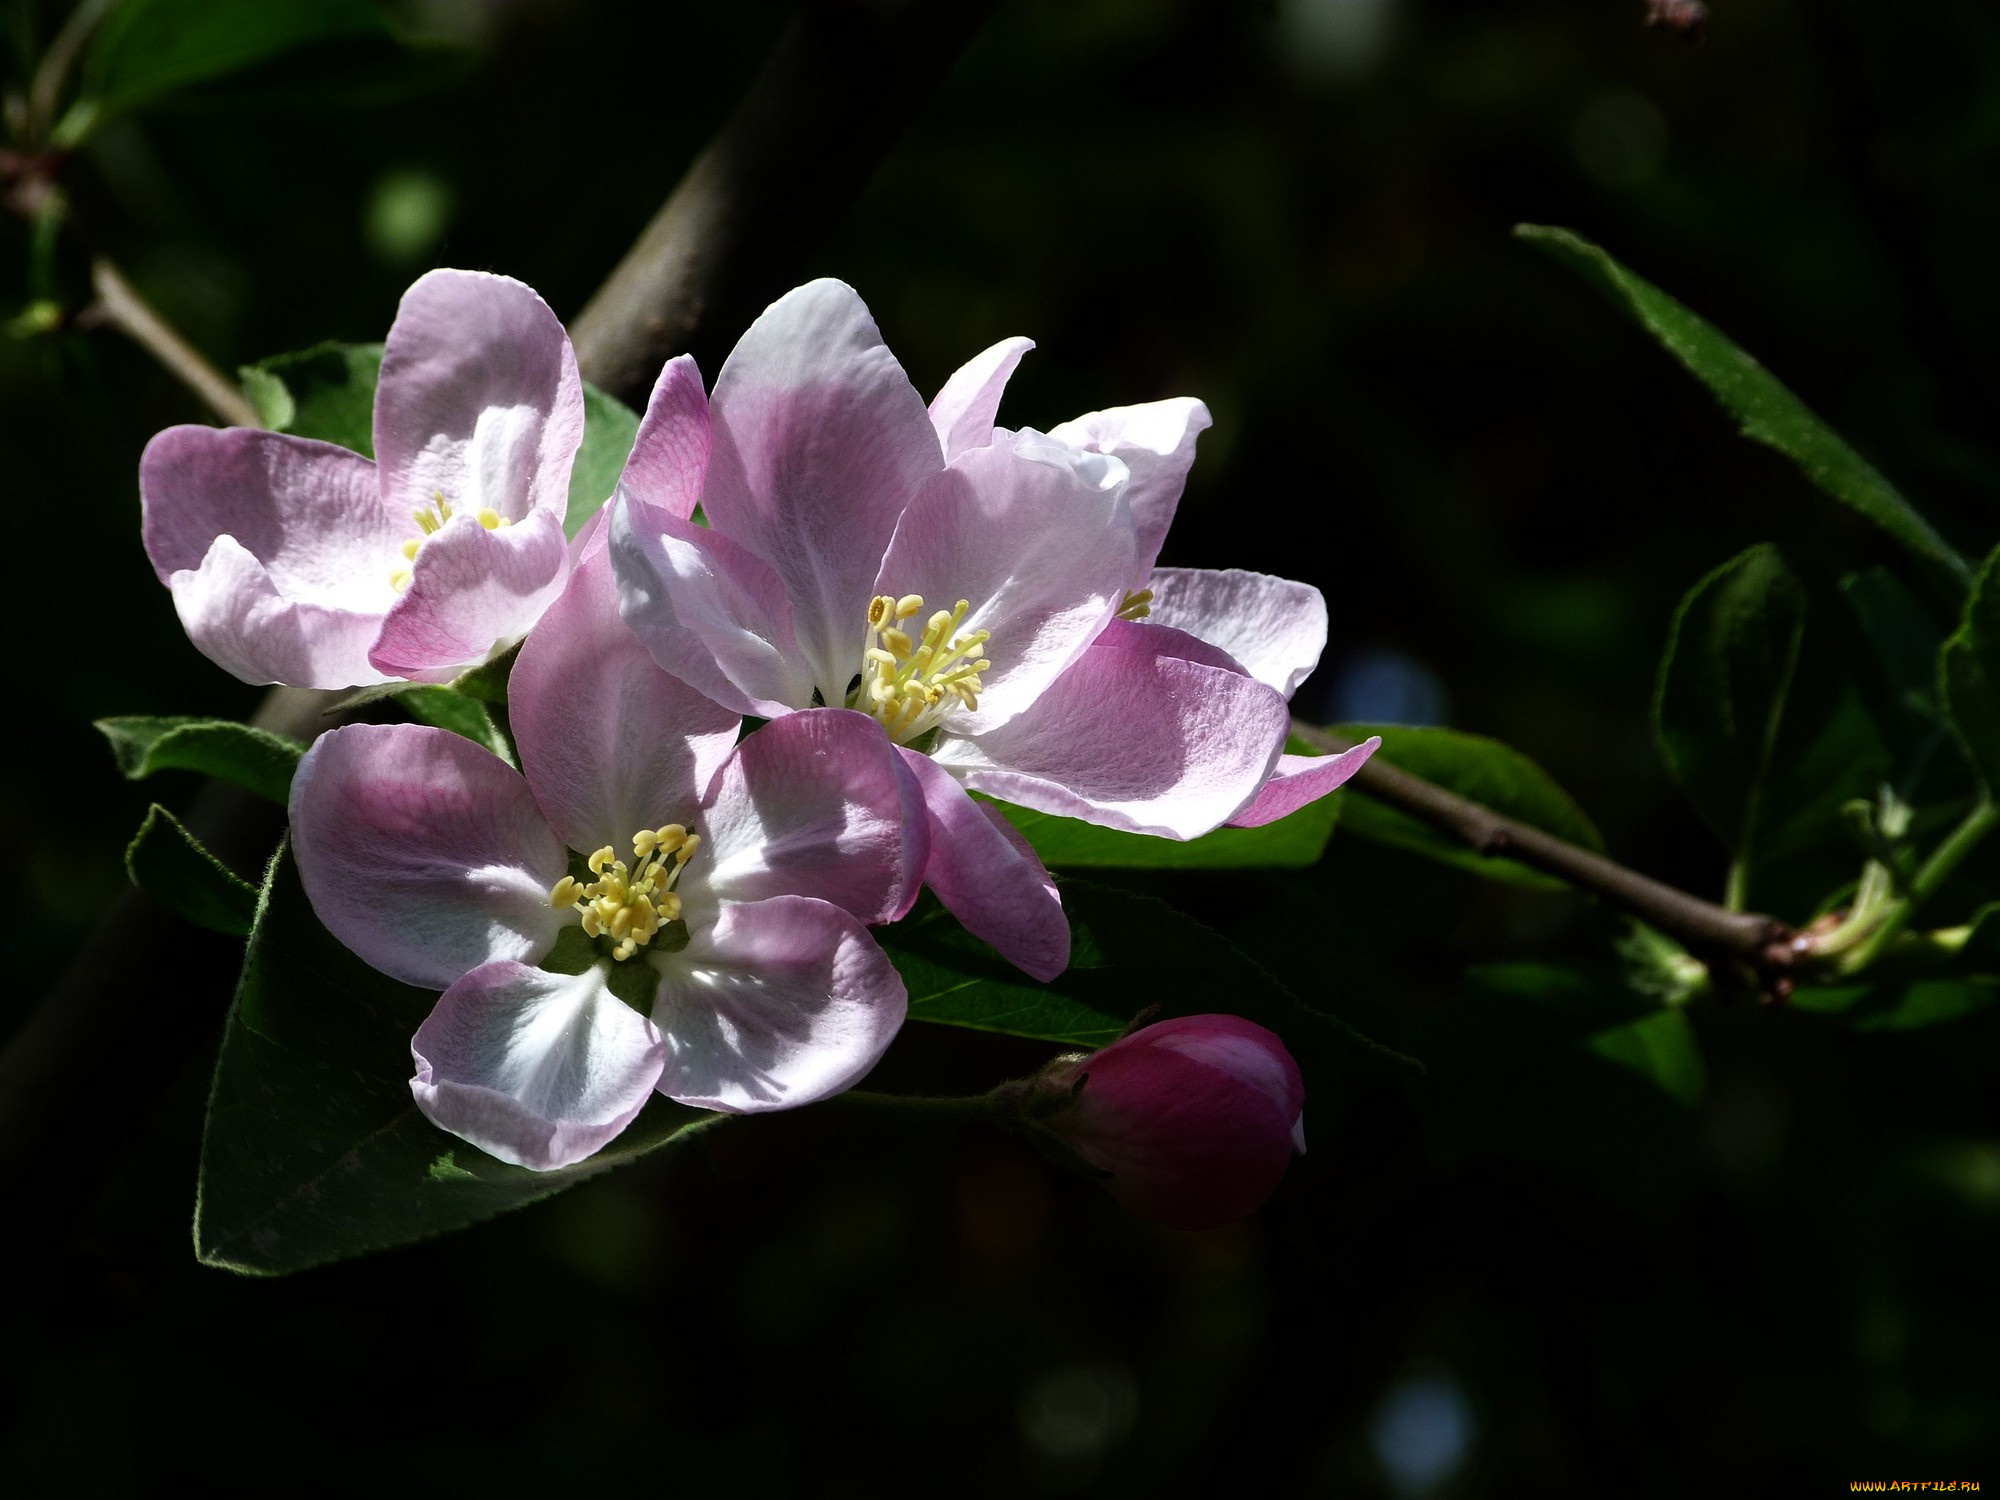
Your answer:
<point x="1608" y="1242"/>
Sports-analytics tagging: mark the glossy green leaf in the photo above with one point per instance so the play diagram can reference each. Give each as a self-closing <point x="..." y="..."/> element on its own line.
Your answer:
<point x="444" y="708"/>
<point x="609" y="426"/>
<point x="1128" y="952"/>
<point x="1488" y="772"/>
<point x="1765" y="735"/>
<point x="1969" y="676"/>
<point x="1293" y="842"/>
<point x="313" y="1149"/>
<point x="149" y="48"/>
<point x="325" y="392"/>
<point x="170" y="864"/>
<point x="252" y="758"/>
<point x="328" y="392"/>
<point x="1770" y="414"/>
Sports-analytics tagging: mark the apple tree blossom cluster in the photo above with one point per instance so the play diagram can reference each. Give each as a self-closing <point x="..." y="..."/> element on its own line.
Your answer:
<point x="777" y="686"/>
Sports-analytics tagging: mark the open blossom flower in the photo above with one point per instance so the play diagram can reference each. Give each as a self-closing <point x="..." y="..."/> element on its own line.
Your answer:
<point x="1193" y="1121"/>
<point x="974" y="590"/>
<point x="730" y="881"/>
<point x="300" y="562"/>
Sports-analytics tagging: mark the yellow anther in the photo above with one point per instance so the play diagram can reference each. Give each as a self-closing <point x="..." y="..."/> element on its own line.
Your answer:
<point x="879" y="610"/>
<point x="908" y="605"/>
<point x="410" y="549"/>
<point x="602" y="858"/>
<point x="399" y="580"/>
<point x="566" y="893"/>
<point x="895" y="642"/>
<point x="910" y="683"/>
<point x="491" y="519"/>
<point x="644" y="841"/>
<point x="630" y="905"/>
<point x="1137" y="605"/>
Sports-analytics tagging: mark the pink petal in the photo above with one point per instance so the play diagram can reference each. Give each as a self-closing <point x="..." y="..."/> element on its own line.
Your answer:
<point x="478" y="401"/>
<point x="423" y="853"/>
<point x="1273" y="627"/>
<point x="609" y="742"/>
<point x="989" y="877"/>
<point x="670" y="455"/>
<point x="535" y="1068"/>
<point x="778" y="1003"/>
<point x="239" y="619"/>
<point x="1141" y="734"/>
<point x="814" y="804"/>
<point x="308" y="512"/>
<point x="472" y="593"/>
<point x="1037" y="538"/>
<point x="820" y="441"/>
<point x="712" y="612"/>
<point x="963" y="411"/>
<point x="1300" y="779"/>
<point x="1156" y="441"/>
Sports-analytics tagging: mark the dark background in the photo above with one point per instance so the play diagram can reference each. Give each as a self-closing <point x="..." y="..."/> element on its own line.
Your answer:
<point x="1530" y="1269"/>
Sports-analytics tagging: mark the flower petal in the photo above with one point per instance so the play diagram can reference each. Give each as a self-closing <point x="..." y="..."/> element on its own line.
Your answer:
<point x="1274" y="628"/>
<point x="1156" y="441"/>
<point x="1300" y="779"/>
<point x="535" y="1068"/>
<point x="778" y="1003"/>
<point x="710" y="611"/>
<point x="820" y="441"/>
<point x="424" y="853"/>
<point x="478" y="400"/>
<point x="309" y="512"/>
<point x="1037" y="538"/>
<point x="473" y="592"/>
<point x="989" y="877"/>
<point x="239" y="619"/>
<point x="1141" y="734"/>
<point x="669" y="456"/>
<point x="814" y="804"/>
<point x="609" y="742"/>
<point x="963" y="410"/>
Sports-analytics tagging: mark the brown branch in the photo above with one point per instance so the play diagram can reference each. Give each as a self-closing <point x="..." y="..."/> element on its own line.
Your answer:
<point x="840" y="88"/>
<point x="1711" y="932"/>
<point x="119" y="306"/>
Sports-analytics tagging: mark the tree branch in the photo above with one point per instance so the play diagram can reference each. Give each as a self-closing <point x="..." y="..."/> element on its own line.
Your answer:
<point x="838" y="91"/>
<point x="1711" y="932"/>
<point x="119" y="306"/>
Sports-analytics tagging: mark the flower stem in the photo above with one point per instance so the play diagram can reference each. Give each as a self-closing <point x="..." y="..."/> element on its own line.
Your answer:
<point x="1947" y="857"/>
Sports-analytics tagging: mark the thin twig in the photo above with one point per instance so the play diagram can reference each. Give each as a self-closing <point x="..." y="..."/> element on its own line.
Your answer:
<point x="122" y="308"/>
<point x="45" y="92"/>
<point x="1710" y="931"/>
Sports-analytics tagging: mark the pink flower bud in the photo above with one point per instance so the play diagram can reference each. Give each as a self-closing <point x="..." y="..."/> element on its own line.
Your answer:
<point x="1194" y="1119"/>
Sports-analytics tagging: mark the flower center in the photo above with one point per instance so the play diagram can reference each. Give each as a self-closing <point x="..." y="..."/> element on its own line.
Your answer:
<point x="910" y="685"/>
<point x="429" y="520"/>
<point x="631" y="905"/>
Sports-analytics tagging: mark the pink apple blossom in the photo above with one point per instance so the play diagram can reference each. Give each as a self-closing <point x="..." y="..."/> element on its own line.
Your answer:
<point x="1193" y="1121"/>
<point x="733" y="881"/>
<point x="300" y="562"/>
<point x="979" y="592"/>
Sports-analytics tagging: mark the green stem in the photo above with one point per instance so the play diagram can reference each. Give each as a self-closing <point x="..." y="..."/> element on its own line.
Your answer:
<point x="1736" y="888"/>
<point x="1935" y="871"/>
<point x="980" y="1107"/>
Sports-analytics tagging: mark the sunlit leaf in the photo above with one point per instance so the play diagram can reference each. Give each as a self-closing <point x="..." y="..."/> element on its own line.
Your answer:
<point x="609" y="426"/>
<point x="1292" y="842"/>
<point x="1770" y="413"/>
<point x="443" y="708"/>
<point x="314" y="1150"/>
<point x="254" y="759"/>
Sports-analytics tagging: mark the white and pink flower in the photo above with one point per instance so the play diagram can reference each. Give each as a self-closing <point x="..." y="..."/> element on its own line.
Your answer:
<point x="729" y="882"/>
<point x="987" y="596"/>
<point x="300" y="562"/>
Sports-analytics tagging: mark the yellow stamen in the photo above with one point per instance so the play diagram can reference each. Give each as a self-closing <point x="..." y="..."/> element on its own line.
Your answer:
<point x="630" y="904"/>
<point x="910" y="684"/>
<point x="430" y="520"/>
<point x="1137" y="605"/>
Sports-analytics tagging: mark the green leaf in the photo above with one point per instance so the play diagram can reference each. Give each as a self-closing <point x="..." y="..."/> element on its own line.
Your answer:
<point x="1488" y="772"/>
<point x="313" y="1150"/>
<point x="1770" y="413"/>
<point x="325" y="392"/>
<point x="444" y="708"/>
<point x="254" y="759"/>
<point x="1969" y="676"/>
<point x="1764" y="736"/>
<point x="1127" y="952"/>
<point x="609" y="426"/>
<point x="1660" y="1047"/>
<point x="169" y="864"/>
<point x="149" y="48"/>
<point x="1293" y="842"/>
